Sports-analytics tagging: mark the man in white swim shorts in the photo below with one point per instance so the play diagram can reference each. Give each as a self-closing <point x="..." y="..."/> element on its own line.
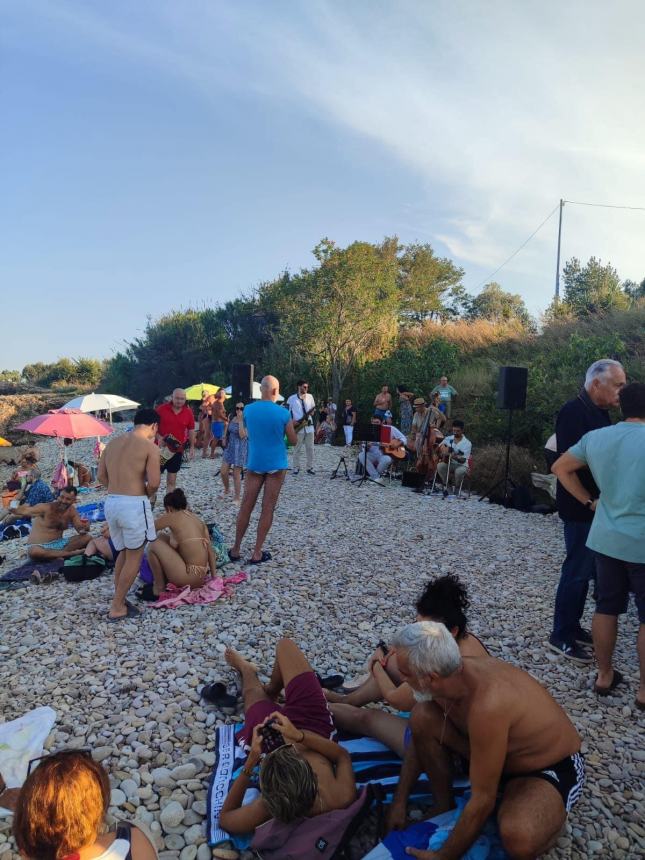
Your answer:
<point x="130" y="468"/>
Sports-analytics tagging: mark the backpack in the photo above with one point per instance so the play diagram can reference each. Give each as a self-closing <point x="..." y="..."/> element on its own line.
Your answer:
<point x="80" y="568"/>
<point x="325" y="836"/>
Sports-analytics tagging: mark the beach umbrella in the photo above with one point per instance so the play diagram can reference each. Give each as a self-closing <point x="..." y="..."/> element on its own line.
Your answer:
<point x="256" y="394"/>
<point x="199" y="389"/>
<point x="4" y="443"/>
<point x="101" y="402"/>
<point x="66" y="424"/>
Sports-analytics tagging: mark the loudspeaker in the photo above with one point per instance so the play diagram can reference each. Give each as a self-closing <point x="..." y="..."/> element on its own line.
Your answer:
<point x="511" y="388"/>
<point x="416" y="480"/>
<point x="242" y="382"/>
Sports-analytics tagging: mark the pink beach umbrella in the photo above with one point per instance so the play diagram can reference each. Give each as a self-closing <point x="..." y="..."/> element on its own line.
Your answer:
<point x="66" y="424"/>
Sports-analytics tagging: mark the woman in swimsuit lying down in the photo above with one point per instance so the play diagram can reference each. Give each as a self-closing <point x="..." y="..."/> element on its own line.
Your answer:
<point x="445" y="600"/>
<point x="185" y="557"/>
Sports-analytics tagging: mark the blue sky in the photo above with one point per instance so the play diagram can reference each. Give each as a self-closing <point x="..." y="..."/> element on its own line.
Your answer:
<point x="161" y="154"/>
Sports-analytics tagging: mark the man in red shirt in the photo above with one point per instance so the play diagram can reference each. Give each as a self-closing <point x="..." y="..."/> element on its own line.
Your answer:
<point x="175" y="419"/>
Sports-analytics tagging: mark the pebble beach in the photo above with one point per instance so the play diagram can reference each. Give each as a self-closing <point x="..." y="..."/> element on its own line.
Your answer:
<point x="348" y="564"/>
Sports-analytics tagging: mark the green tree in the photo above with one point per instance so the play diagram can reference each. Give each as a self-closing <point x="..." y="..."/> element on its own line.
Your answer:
<point x="634" y="291"/>
<point x="593" y="288"/>
<point x="424" y="281"/>
<point x="34" y="373"/>
<point x="9" y="376"/>
<point x="496" y="305"/>
<point x="339" y="314"/>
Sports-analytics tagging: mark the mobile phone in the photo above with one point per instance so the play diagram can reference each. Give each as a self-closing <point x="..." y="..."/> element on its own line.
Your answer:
<point x="382" y="645"/>
<point x="271" y="738"/>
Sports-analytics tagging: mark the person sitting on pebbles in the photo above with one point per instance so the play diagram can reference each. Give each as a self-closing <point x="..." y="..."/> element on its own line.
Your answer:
<point x="185" y="556"/>
<point x="50" y="519"/>
<point x="303" y="772"/>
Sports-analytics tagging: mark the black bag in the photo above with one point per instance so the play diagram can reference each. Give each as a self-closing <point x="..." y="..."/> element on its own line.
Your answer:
<point x="416" y="480"/>
<point x="80" y="568"/>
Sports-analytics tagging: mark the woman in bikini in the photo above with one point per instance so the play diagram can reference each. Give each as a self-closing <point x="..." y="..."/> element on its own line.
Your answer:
<point x="445" y="600"/>
<point x="185" y="557"/>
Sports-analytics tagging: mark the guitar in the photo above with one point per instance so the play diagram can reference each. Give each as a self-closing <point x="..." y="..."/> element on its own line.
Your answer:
<point x="298" y="425"/>
<point x="394" y="449"/>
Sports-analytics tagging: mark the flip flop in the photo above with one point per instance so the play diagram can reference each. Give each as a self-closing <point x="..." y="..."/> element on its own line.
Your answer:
<point x="615" y="681"/>
<point x="217" y="694"/>
<point x="266" y="556"/>
<point x="355" y="683"/>
<point x="131" y="612"/>
<point x="233" y="557"/>
<point x="331" y="682"/>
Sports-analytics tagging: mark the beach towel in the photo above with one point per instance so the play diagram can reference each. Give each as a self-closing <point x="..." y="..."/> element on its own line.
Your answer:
<point x="23" y="572"/>
<point x="431" y="835"/>
<point x="219" y="545"/>
<point x="20" y="741"/>
<point x="92" y="511"/>
<point x="372" y="762"/>
<point x="214" y="588"/>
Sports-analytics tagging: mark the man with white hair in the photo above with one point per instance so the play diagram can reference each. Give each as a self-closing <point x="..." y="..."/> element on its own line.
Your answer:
<point x="515" y="738"/>
<point x="266" y="465"/>
<point x="587" y="411"/>
<point x="176" y="430"/>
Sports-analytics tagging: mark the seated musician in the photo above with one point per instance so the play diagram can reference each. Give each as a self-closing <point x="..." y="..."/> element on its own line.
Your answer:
<point x="375" y="459"/>
<point x="454" y="452"/>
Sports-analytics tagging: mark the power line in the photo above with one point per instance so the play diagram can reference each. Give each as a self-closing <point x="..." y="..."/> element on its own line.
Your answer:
<point x="523" y="245"/>
<point x="606" y="205"/>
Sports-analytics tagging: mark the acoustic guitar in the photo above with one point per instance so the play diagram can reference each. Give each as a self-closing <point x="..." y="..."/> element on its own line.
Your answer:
<point x="393" y="449"/>
<point x="298" y="425"/>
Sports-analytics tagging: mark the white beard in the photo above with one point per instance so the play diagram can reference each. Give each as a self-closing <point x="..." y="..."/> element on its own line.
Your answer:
<point x="421" y="696"/>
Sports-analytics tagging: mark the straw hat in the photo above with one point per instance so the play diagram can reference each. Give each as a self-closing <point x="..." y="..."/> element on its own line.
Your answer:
<point x="419" y="401"/>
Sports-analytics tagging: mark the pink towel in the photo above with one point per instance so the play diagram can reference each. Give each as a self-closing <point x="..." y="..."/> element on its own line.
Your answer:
<point x="211" y="590"/>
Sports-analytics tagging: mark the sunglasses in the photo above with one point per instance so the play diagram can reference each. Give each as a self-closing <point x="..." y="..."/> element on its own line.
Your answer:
<point x="304" y="386"/>
<point x="239" y="409"/>
<point x="34" y="762"/>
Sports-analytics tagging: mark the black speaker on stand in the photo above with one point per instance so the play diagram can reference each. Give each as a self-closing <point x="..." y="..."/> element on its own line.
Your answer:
<point x="242" y="382"/>
<point x="511" y="395"/>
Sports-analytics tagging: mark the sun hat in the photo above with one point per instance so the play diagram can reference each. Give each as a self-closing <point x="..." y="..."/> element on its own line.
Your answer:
<point x="419" y="401"/>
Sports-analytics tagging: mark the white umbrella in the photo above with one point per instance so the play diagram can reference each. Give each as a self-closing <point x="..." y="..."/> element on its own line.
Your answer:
<point x="98" y="402"/>
<point x="257" y="394"/>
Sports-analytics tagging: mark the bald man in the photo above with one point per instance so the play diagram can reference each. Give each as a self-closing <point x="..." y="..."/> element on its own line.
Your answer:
<point x="176" y="429"/>
<point x="266" y="465"/>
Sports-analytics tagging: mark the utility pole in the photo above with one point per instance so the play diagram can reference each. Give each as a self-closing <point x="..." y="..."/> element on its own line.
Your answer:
<point x="557" y="271"/>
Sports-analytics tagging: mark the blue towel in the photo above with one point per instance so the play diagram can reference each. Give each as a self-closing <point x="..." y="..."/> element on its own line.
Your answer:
<point x="371" y="761"/>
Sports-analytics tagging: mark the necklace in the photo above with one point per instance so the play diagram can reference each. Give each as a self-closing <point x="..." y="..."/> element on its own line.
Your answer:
<point x="446" y="711"/>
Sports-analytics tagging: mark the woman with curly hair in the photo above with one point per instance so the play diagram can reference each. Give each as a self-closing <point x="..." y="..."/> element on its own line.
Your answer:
<point x="444" y="600"/>
<point x="61" y="809"/>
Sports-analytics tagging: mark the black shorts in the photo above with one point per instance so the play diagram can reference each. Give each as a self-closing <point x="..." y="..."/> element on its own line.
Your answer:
<point x="566" y="776"/>
<point x="615" y="580"/>
<point x="173" y="465"/>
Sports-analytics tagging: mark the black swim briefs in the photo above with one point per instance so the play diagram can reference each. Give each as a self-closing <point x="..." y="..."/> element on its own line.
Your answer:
<point x="566" y="776"/>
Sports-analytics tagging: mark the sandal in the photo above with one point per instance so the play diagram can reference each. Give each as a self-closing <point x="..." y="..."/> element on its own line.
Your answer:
<point x="233" y="557"/>
<point x="266" y="556"/>
<point x="606" y="691"/>
<point x="331" y="682"/>
<point x="217" y="694"/>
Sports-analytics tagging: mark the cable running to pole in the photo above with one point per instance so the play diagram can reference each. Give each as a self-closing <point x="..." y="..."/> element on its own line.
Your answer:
<point x="523" y="245"/>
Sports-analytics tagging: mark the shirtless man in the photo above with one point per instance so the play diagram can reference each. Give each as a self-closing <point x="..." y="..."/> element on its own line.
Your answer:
<point x="130" y="469"/>
<point x="311" y="774"/>
<point x="516" y="738"/>
<point x="50" y="519"/>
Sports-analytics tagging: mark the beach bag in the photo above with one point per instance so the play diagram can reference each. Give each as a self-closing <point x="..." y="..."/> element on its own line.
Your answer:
<point x="80" y="568"/>
<point x="325" y="836"/>
<point x="60" y="478"/>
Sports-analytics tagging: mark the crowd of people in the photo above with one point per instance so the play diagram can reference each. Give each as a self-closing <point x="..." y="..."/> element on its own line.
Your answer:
<point x="458" y="708"/>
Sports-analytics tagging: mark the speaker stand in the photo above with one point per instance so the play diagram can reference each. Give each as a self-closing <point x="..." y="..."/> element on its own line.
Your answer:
<point x="506" y="482"/>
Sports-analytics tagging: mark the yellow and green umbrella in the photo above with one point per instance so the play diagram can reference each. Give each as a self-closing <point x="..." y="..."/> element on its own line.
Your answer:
<point x="197" y="391"/>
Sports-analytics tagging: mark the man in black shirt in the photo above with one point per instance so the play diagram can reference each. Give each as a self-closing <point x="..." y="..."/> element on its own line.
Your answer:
<point x="586" y="412"/>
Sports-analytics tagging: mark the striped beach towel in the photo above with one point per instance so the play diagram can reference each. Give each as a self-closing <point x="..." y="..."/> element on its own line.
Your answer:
<point x="371" y="760"/>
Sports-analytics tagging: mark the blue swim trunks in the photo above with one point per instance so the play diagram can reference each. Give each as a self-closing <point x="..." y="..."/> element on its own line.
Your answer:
<point x="59" y="543"/>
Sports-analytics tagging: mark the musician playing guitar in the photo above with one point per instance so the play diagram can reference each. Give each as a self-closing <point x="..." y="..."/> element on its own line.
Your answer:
<point x="302" y="407"/>
<point x="378" y="456"/>
<point x="454" y="449"/>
